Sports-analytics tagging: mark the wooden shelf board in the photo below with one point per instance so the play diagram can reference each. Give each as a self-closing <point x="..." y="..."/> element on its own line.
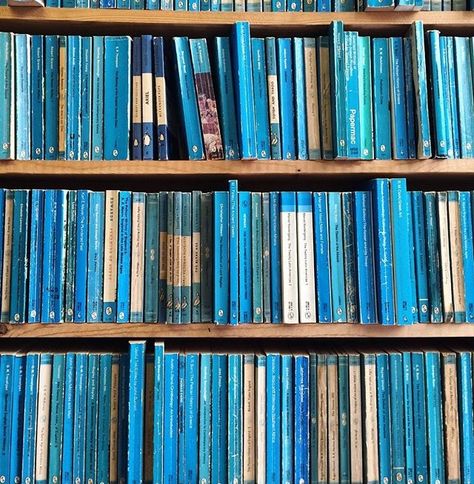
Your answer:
<point x="133" y="22"/>
<point x="87" y="169"/>
<point x="254" y="331"/>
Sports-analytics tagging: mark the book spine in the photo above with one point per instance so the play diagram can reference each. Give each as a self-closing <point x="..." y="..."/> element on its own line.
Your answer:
<point x="300" y="93"/>
<point x="287" y="112"/>
<point x="207" y="272"/>
<point x="273" y="412"/>
<point x="256" y="265"/>
<point x="261" y="98"/>
<point x="68" y="425"/>
<point x="7" y="256"/>
<point x="409" y="417"/>
<point x="410" y="98"/>
<point x="191" y="414"/>
<point x="445" y="261"/>
<point x="148" y="420"/>
<point x="23" y="96"/>
<point x="163" y="256"/>
<point x="38" y="68"/>
<point x="35" y="255"/>
<point x="70" y="240"/>
<point x="289" y="257"/>
<point x="355" y="422"/>
<point x="244" y="90"/>
<point x="117" y="91"/>
<point x="186" y="241"/>
<point x="397" y="417"/>
<point x="18" y="394"/>
<point x="324" y="83"/>
<point x="109" y="313"/>
<point x="161" y="114"/>
<point x="137" y="257"/>
<point x="152" y="262"/>
<point x="8" y="100"/>
<point x="104" y="417"/>
<point x="226" y="98"/>
<point x="181" y="475"/>
<point x="97" y="150"/>
<point x="158" y="411"/>
<point x="221" y="254"/>
<point x="63" y="86"/>
<point x="248" y="437"/>
<point x="74" y="55"/>
<point x="323" y="276"/>
<point x="177" y="256"/>
<point x="148" y="127"/>
<point x="234" y="230"/>
<point x="205" y="405"/>
<point x="91" y="417"/>
<point x="313" y="417"/>
<point x="312" y="96"/>
<point x="234" y="418"/>
<point x="170" y="418"/>
<point x="86" y="99"/>
<point x="344" y="436"/>
<point x="95" y="259"/>
<point x="260" y="417"/>
<point x="464" y="374"/>
<point x="123" y="397"/>
<point x="445" y="85"/>
<point x="266" y="271"/>
<point x="273" y="98"/>
<point x="351" y="67"/>
<point x="453" y="107"/>
<point x="137" y="153"/>
<point x="275" y="254"/>
<point x="287" y="418"/>
<point x="365" y="99"/>
<point x="384" y="421"/>
<point x="48" y="266"/>
<point x="245" y="260"/>
<point x="350" y="269"/>
<point x="136" y="412"/>
<point x="82" y="237"/>
<point x="301" y="409"/>
<point x="322" y="436"/>
<point x="188" y="99"/>
<point x="124" y="256"/>
<point x="465" y="215"/>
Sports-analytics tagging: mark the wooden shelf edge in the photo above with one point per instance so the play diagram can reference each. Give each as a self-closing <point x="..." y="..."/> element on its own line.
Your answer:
<point x="252" y="331"/>
<point x="406" y="168"/>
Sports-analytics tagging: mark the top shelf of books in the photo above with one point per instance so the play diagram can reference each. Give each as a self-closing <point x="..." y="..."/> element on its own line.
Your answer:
<point x="108" y="21"/>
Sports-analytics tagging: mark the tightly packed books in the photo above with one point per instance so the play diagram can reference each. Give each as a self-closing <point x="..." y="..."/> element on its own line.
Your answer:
<point x="339" y="96"/>
<point x="334" y="415"/>
<point x="382" y="254"/>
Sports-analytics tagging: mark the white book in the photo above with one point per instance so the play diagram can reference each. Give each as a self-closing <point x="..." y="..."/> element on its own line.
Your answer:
<point x="138" y="257"/>
<point x="457" y="264"/>
<point x="42" y="426"/>
<point x="248" y="443"/>
<point x="110" y="253"/>
<point x="239" y="5"/>
<point x="260" y="407"/>
<point x="306" y="282"/>
<point x="322" y="390"/>
<point x="355" y="418"/>
<point x="114" y="416"/>
<point x="7" y="255"/>
<point x="289" y="258"/>
<point x="333" y="419"/>
<point x="25" y="3"/>
<point x="447" y="297"/>
<point x="312" y="103"/>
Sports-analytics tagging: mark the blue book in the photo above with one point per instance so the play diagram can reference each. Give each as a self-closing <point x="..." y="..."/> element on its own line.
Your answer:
<point x="261" y="98"/>
<point x="338" y="286"/>
<point x="453" y="98"/>
<point x="152" y="254"/>
<point x="56" y="422"/>
<point x="148" y="89"/>
<point x="191" y="411"/>
<point x="287" y="112"/>
<point x="383" y="417"/>
<point x="68" y="436"/>
<point x="287" y="415"/>
<point x="300" y="94"/>
<point x="170" y="419"/>
<point x="409" y="416"/>
<point x="466" y="436"/>
<point x="80" y="405"/>
<point x="267" y="298"/>
<point x="465" y="216"/>
<point x="419" y="416"/>
<point x="364" y="237"/>
<point x="245" y="101"/>
<point x="349" y="254"/>
<point x="383" y="251"/>
<point x="136" y="411"/>
<point x="8" y="99"/>
<point x="353" y="125"/>
<point x="403" y="276"/>
<point x="226" y="98"/>
<point x="2" y="217"/>
<point x="124" y="257"/>
<point x="410" y="98"/>
<point x="301" y="412"/>
<point x="365" y="100"/>
<point x="82" y="237"/>
<point x="278" y="5"/>
<point x="17" y="408"/>
<point x="322" y="256"/>
<point x="234" y="235"/>
<point x="207" y="271"/>
<point x="29" y="417"/>
<point x="205" y="409"/>
<point x="219" y="418"/>
<point x="137" y="135"/>
<point x="124" y="374"/>
<point x="38" y="100"/>
<point x="433" y="257"/>
<point x="181" y="418"/>
<point x="158" y="409"/>
<point x="186" y="299"/>
<point x="117" y="79"/>
<point x="175" y="282"/>
<point x="421" y="262"/>
<point x="188" y="99"/>
<point x="163" y="214"/>
<point x="234" y="418"/>
<point x="338" y="88"/>
<point x="445" y="85"/>
<point x="95" y="256"/>
<point x="86" y="99"/>
<point x="273" y="412"/>
<point x="170" y="257"/>
<point x="71" y="234"/>
<point x="398" y="99"/>
<point x="97" y="104"/>
<point x="245" y="258"/>
<point x="397" y="417"/>
<point x="221" y="257"/>
<point x="275" y="264"/>
<point x="323" y="5"/>
<point x="23" y="96"/>
<point x="344" y="422"/>
<point x="273" y="97"/>
<point x="104" y="416"/>
<point x="73" y="97"/>
<point x="161" y="117"/>
<point x="93" y="369"/>
<point x="19" y="256"/>
<point x="257" y="269"/>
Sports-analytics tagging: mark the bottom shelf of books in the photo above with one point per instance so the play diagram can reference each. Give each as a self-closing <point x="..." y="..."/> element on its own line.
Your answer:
<point x="267" y="414"/>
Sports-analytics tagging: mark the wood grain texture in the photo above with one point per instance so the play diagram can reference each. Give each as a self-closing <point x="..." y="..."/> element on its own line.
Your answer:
<point x="212" y="331"/>
<point x="133" y="22"/>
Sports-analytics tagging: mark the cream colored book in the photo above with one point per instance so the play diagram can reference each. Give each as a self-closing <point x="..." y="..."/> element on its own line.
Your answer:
<point x="312" y="96"/>
<point x="446" y="283"/>
<point x="110" y="254"/>
<point x="138" y="257"/>
<point x="355" y="418"/>
<point x="248" y="444"/>
<point x="7" y="255"/>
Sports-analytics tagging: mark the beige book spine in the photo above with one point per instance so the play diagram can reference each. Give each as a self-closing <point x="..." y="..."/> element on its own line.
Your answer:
<point x="186" y="241"/>
<point x="333" y="419"/>
<point x="312" y="103"/>
<point x="448" y="305"/>
<point x="114" y="416"/>
<point x="110" y="251"/>
<point x="249" y="420"/>
<point x="7" y="256"/>
<point x="355" y="419"/>
<point x="370" y="419"/>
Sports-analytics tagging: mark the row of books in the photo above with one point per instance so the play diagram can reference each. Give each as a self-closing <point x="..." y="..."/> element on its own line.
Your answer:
<point x="367" y="415"/>
<point x="334" y="97"/>
<point x="260" y="5"/>
<point x="381" y="255"/>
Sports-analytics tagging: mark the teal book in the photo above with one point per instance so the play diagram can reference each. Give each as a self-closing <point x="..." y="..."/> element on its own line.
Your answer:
<point x="152" y="257"/>
<point x="92" y="407"/>
<point x="235" y="418"/>
<point x="104" y="417"/>
<point x="205" y="411"/>
<point x="257" y="256"/>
